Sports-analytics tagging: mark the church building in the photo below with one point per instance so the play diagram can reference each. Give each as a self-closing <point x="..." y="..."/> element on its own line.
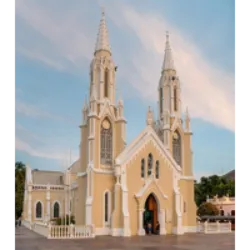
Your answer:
<point x="116" y="187"/>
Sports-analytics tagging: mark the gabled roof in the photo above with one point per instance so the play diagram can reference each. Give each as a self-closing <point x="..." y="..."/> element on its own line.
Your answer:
<point x="148" y="134"/>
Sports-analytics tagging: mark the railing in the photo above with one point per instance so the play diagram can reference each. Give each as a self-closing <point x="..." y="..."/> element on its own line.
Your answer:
<point x="69" y="232"/>
<point x="214" y="227"/>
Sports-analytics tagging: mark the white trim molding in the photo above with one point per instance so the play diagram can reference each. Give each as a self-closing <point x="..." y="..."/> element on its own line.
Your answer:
<point x="190" y="229"/>
<point x="188" y="178"/>
<point x="147" y="135"/>
<point x="116" y="231"/>
<point x="150" y="180"/>
<point x="102" y="231"/>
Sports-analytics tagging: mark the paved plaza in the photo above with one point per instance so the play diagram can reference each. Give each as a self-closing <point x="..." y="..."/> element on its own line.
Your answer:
<point x="28" y="240"/>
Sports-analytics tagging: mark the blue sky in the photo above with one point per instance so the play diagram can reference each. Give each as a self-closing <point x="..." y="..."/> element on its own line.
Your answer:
<point x="55" y="41"/>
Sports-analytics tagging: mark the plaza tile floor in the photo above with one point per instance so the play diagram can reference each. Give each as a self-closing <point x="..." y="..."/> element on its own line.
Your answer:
<point x="28" y="240"/>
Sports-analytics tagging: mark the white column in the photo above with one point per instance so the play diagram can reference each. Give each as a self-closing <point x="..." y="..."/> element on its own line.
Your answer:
<point x="29" y="204"/>
<point x="141" y="230"/>
<point x="48" y="204"/>
<point x="178" y="213"/>
<point x="162" y="223"/>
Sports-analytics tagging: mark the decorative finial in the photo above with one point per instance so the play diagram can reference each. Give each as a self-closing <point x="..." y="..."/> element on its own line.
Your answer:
<point x="103" y="10"/>
<point x="167" y="36"/>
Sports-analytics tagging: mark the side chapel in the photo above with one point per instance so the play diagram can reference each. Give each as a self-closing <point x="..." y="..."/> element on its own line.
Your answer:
<point x="117" y="187"/>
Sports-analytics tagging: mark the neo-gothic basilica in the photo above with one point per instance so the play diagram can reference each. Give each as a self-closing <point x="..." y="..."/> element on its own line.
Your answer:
<point x="116" y="187"/>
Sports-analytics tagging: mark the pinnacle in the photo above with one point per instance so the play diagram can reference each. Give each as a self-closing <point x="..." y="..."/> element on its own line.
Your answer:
<point x="168" y="62"/>
<point x="102" y="42"/>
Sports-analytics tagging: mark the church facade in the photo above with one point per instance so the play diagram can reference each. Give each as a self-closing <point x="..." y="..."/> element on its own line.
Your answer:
<point x="121" y="188"/>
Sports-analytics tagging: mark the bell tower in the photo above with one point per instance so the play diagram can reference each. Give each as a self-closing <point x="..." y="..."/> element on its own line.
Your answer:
<point x="103" y="134"/>
<point x="175" y="135"/>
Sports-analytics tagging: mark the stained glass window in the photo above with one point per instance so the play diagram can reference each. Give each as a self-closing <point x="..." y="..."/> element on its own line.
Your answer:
<point x="177" y="147"/>
<point x="142" y="168"/>
<point x="150" y="164"/>
<point x="106" y="145"/>
<point x="157" y="170"/>
<point x="56" y="210"/>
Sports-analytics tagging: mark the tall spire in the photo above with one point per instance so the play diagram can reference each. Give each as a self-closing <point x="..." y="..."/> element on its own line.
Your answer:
<point x="102" y="42"/>
<point x="168" y="62"/>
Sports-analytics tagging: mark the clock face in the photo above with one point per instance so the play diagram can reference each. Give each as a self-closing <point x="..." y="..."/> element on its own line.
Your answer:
<point x="176" y="136"/>
<point x="106" y="124"/>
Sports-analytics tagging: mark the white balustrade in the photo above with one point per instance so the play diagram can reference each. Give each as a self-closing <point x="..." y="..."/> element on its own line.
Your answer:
<point x="72" y="231"/>
<point x="214" y="227"/>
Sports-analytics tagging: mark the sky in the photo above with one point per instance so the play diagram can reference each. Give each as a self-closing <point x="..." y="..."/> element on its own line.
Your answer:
<point x="55" y="41"/>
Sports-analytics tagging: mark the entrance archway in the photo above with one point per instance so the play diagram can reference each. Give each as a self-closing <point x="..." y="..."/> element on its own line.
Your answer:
<point x="150" y="213"/>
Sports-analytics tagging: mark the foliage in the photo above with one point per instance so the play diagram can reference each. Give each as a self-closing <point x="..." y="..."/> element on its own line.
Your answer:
<point x="211" y="186"/>
<point x="19" y="188"/>
<point x="207" y="208"/>
<point x="61" y="220"/>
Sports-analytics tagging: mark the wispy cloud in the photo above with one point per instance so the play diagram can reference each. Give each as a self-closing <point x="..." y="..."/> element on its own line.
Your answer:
<point x="39" y="112"/>
<point x="56" y="153"/>
<point x="65" y="40"/>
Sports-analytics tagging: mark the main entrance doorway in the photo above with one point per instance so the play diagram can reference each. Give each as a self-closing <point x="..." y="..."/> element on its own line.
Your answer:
<point x="151" y="213"/>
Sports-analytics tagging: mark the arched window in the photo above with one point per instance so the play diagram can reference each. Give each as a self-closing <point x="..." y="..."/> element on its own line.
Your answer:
<point x="56" y="210"/>
<point x="222" y="212"/>
<point x="150" y="164"/>
<point x="106" y="142"/>
<point x="157" y="169"/>
<point x="106" y="207"/>
<point x="39" y="210"/>
<point x="142" y="168"/>
<point x="161" y="99"/>
<point x="106" y="85"/>
<point x="175" y="99"/>
<point x="177" y="147"/>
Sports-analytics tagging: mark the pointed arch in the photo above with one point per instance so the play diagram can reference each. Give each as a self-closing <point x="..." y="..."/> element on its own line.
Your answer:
<point x="106" y="207"/>
<point x="150" y="164"/>
<point x="176" y="146"/>
<point x="106" y="78"/>
<point x="56" y="210"/>
<point x="175" y="99"/>
<point x="157" y="169"/>
<point x="39" y="210"/>
<point x="143" y="168"/>
<point x="161" y="100"/>
<point x="152" y="209"/>
<point x="106" y="142"/>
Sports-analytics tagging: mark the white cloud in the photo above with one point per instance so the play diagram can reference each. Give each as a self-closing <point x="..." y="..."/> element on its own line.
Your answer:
<point x="36" y="111"/>
<point x="31" y="110"/>
<point x="56" y="153"/>
<point x="67" y="41"/>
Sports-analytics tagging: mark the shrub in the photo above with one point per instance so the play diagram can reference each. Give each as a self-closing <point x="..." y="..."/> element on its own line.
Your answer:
<point x="207" y="208"/>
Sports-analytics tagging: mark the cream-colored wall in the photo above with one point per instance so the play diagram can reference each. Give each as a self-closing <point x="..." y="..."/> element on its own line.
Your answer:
<point x="187" y="192"/>
<point x="135" y="183"/>
<point x="83" y="148"/>
<point x="103" y="182"/>
<point x="40" y="195"/>
<point x="80" y="200"/>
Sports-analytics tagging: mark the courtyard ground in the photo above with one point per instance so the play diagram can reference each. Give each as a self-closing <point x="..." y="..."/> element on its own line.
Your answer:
<point x="28" y="240"/>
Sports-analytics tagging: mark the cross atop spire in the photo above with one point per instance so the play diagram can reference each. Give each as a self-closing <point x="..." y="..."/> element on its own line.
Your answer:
<point x="102" y="42"/>
<point x="168" y="62"/>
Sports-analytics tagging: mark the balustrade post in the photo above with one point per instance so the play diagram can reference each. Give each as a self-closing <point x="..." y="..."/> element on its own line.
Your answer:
<point x="218" y="226"/>
<point x="71" y="231"/>
<point x="205" y="227"/>
<point x="49" y="235"/>
<point x="93" y="231"/>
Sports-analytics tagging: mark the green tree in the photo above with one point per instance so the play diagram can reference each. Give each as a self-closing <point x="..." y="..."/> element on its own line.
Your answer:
<point x="19" y="187"/>
<point x="207" y="208"/>
<point x="211" y="186"/>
